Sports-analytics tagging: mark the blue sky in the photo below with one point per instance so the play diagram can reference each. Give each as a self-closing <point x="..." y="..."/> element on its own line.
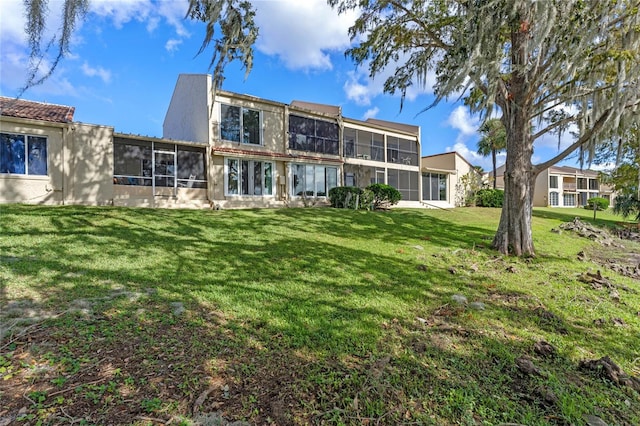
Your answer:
<point x="127" y="54"/>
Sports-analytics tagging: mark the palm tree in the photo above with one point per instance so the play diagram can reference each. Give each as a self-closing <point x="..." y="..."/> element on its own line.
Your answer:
<point x="493" y="141"/>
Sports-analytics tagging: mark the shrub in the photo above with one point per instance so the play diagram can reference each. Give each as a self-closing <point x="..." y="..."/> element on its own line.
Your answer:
<point x="384" y="195"/>
<point x="339" y="197"/>
<point x="599" y="202"/>
<point x="488" y="197"/>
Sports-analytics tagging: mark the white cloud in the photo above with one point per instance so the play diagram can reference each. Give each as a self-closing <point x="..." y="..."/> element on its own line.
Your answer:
<point x="371" y="113"/>
<point x="361" y="88"/>
<point x="172" y="45"/>
<point x="121" y="12"/>
<point x="302" y="34"/>
<point x="12" y="29"/>
<point x="461" y="120"/>
<point x="90" y="71"/>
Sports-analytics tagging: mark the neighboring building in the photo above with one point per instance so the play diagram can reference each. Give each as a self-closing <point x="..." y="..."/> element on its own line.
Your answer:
<point x="563" y="186"/>
<point x="443" y="177"/>
<point x="264" y="153"/>
<point x="46" y="158"/>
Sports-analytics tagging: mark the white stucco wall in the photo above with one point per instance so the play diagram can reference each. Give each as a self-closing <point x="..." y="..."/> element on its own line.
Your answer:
<point x="187" y="117"/>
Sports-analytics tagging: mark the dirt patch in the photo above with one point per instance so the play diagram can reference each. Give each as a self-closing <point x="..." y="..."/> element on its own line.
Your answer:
<point x="623" y="247"/>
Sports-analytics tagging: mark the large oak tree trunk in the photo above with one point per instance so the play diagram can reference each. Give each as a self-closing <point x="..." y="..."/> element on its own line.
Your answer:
<point x="514" y="231"/>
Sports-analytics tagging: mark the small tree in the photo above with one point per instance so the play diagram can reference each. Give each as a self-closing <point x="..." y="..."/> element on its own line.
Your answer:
<point x="466" y="189"/>
<point x="493" y="141"/>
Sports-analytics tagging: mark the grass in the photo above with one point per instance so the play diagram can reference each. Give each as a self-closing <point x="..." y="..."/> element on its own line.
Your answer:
<point x="305" y="316"/>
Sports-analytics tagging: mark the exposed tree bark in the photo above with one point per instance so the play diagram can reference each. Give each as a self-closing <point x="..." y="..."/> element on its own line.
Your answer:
<point x="514" y="234"/>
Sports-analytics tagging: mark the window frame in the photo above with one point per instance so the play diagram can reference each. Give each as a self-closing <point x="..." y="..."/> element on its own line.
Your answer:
<point x="313" y="173"/>
<point x="250" y="178"/>
<point x="242" y="110"/>
<point x="314" y="133"/>
<point x="26" y="154"/>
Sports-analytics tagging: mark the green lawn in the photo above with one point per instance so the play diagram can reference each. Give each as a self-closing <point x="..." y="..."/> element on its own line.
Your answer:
<point x="305" y="316"/>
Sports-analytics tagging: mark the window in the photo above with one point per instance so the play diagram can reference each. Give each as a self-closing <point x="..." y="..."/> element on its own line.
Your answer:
<point x="313" y="180"/>
<point x="239" y="124"/>
<point x="248" y="177"/>
<point x="23" y="155"/>
<point x="593" y="184"/>
<point x="553" y="198"/>
<point x="583" y="198"/>
<point x="569" y="200"/>
<point x="553" y="182"/>
<point x="434" y="187"/>
<point x="582" y="183"/>
<point x="308" y="134"/>
<point x="402" y="151"/>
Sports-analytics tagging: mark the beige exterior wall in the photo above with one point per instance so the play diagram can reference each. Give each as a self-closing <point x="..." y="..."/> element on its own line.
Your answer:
<point x="36" y="189"/>
<point x="541" y="190"/>
<point x="79" y="165"/>
<point x="440" y="162"/>
<point x="274" y="136"/>
<point x="88" y="171"/>
<point x="187" y="117"/>
<point x="455" y="167"/>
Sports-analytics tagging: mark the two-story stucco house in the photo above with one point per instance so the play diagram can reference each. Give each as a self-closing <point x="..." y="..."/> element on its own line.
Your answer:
<point x="262" y="153"/>
<point x="234" y="151"/>
<point x="564" y="186"/>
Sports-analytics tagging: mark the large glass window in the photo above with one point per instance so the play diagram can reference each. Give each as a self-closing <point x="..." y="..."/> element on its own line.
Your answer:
<point x="308" y="134"/>
<point x="173" y="165"/>
<point x="239" y="124"/>
<point x="554" y="198"/>
<point x="434" y="187"/>
<point x="248" y="177"/>
<point x="313" y="180"/>
<point x="23" y="155"/>
<point x="593" y="184"/>
<point x="553" y="182"/>
<point x="569" y="200"/>
<point x="583" y="198"/>
<point x="402" y="151"/>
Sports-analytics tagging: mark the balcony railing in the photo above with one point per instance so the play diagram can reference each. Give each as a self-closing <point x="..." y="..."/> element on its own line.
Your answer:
<point x="571" y="187"/>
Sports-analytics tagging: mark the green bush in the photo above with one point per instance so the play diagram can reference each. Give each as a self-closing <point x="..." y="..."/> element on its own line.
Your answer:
<point x="599" y="202"/>
<point x="339" y="197"/>
<point x="384" y="195"/>
<point x="488" y="197"/>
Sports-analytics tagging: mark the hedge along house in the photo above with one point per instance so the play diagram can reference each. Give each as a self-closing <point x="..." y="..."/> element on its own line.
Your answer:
<point x="263" y="153"/>
<point x="47" y="158"/>
<point x="444" y="178"/>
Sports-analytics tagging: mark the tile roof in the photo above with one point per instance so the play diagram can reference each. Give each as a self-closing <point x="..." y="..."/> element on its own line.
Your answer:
<point x="11" y="107"/>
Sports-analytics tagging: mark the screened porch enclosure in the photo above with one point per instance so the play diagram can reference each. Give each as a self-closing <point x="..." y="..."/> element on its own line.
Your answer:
<point x="161" y="166"/>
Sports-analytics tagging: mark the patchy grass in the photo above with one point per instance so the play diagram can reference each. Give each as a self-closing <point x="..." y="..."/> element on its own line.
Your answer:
<point x="304" y="316"/>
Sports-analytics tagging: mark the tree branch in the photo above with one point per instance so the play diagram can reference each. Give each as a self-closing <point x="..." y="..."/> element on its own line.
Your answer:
<point x="577" y="144"/>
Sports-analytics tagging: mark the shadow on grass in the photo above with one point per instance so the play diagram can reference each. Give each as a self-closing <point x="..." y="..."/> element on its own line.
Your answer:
<point x="307" y="316"/>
